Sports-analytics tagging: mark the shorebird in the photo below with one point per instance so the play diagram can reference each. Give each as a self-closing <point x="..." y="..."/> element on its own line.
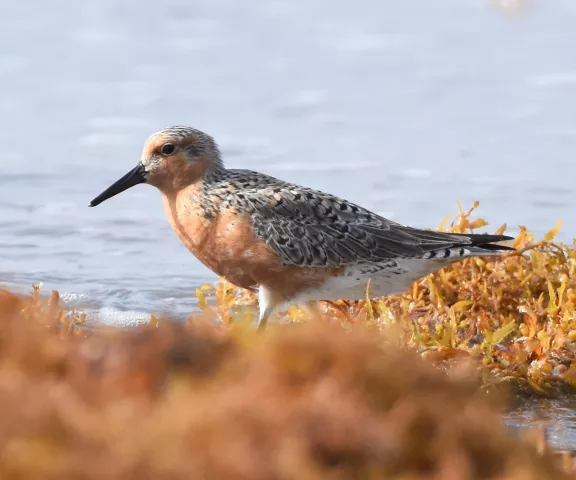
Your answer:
<point x="292" y="244"/>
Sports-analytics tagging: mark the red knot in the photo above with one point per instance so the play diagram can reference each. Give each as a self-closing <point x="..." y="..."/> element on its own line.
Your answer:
<point x="292" y="244"/>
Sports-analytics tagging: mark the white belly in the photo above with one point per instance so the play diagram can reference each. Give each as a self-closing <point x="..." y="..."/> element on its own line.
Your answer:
<point x="351" y="285"/>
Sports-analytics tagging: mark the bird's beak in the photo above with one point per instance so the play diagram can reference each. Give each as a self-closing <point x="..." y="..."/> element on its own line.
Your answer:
<point x="133" y="177"/>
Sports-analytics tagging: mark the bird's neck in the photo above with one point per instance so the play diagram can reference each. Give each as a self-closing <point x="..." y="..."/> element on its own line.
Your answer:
<point x="215" y="174"/>
<point x="194" y="214"/>
<point x="198" y="199"/>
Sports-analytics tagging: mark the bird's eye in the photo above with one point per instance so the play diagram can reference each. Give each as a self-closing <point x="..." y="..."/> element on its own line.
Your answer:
<point x="167" y="149"/>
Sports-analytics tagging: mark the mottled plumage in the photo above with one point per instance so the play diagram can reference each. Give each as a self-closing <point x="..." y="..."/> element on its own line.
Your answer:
<point x="306" y="227"/>
<point x="294" y="244"/>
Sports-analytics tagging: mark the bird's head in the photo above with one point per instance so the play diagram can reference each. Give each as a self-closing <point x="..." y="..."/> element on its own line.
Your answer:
<point x="172" y="159"/>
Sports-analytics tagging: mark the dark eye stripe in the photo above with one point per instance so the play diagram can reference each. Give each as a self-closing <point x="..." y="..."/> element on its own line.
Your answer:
<point x="167" y="149"/>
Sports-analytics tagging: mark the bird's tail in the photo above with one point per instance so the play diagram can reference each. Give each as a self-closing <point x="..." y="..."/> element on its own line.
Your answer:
<point x="472" y="245"/>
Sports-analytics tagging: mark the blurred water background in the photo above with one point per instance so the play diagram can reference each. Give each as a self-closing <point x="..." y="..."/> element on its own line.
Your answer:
<point x="404" y="107"/>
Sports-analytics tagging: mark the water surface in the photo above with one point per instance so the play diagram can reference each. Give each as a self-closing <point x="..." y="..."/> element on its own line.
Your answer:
<point x="556" y="416"/>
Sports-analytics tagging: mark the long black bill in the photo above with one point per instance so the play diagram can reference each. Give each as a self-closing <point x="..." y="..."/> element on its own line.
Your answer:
<point x="133" y="177"/>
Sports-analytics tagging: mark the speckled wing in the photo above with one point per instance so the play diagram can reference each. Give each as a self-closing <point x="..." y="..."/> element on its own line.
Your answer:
<point x="310" y="228"/>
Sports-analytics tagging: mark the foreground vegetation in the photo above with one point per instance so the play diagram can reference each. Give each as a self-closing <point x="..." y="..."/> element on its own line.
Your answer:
<point x="309" y="401"/>
<point x="355" y="394"/>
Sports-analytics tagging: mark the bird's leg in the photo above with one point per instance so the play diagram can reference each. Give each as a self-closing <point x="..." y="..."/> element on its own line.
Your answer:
<point x="267" y="304"/>
<point x="263" y="320"/>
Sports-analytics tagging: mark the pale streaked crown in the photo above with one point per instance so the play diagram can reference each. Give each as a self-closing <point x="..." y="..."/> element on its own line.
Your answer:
<point x="191" y="142"/>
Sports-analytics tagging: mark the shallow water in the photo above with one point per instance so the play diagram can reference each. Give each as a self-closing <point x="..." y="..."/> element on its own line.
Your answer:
<point x="556" y="416"/>
<point x="404" y="107"/>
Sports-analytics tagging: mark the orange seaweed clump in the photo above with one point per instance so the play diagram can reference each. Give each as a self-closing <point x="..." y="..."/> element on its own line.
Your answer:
<point x="516" y="313"/>
<point x="311" y="401"/>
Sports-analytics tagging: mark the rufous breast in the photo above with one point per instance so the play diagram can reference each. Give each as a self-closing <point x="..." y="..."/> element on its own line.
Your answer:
<point x="223" y="239"/>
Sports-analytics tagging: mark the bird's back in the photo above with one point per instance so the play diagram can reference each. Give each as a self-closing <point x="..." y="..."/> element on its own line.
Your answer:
<point x="307" y="227"/>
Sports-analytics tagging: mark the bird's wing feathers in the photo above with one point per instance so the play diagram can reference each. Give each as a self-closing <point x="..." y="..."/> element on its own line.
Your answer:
<point x="310" y="228"/>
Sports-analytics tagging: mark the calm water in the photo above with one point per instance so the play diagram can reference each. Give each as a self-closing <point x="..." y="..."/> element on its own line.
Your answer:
<point x="402" y="106"/>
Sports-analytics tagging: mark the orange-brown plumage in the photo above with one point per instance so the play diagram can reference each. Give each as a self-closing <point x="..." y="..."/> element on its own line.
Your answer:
<point x="227" y="245"/>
